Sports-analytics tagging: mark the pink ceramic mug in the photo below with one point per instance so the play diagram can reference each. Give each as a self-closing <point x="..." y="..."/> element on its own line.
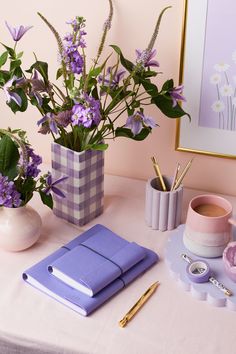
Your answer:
<point x="208" y="226"/>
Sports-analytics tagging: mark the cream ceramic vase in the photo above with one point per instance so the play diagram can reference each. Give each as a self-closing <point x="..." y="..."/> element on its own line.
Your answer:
<point x="20" y="228"/>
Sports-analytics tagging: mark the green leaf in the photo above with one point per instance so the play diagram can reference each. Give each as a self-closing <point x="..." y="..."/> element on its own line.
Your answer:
<point x="149" y="73"/>
<point x="9" y="157"/>
<point x="149" y="87"/>
<point x="169" y="84"/>
<point x="59" y="73"/>
<point x="10" y="51"/>
<point x="46" y="199"/>
<point x="127" y="133"/>
<point x="100" y="147"/>
<point x="95" y="72"/>
<point x="15" y="64"/>
<point x="95" y="93"/>
<point x="165" y="105"/>
<point x="3" y="58"/>
<point x="128" y="65"/>
<point x="24" y="104"/>
<point x="19" y="55"/>
<point x="41" y="67"/>
<point x="26" y="188"/>
<point x="4" y="76"/>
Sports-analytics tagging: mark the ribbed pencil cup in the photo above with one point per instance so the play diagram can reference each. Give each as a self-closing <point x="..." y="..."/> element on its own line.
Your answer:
<point x="163" y="209"/>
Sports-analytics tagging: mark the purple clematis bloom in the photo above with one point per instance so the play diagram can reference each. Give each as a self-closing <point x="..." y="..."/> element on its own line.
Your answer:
<point x="17" y="32"/>
<point x="51" y="185"/>
<point x="37" y="86"/>
<point x="110" y="79"/>
<point x="145" y="58"/>
<point x="176" y="94"/>
<point x="137" y="121"/>
<point x="10" y="95"/>
<point x="50" y="118"/>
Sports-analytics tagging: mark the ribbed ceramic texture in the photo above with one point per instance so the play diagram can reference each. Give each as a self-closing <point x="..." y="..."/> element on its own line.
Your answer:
<point x="163" y="209"/>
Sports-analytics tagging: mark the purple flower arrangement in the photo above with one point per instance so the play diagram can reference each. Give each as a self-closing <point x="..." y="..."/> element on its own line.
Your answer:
<point x="88" y="109"/>
<point x="19" y="172"/>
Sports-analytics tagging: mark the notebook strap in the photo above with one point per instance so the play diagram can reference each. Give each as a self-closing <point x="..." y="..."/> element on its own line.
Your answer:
<point x="108" y="259"/>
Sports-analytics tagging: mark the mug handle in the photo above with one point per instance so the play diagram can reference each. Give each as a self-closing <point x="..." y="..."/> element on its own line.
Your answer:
<point x="232" y="221"/>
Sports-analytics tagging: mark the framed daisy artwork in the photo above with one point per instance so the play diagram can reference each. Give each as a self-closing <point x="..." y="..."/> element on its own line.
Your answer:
<point x="208" y="73"/>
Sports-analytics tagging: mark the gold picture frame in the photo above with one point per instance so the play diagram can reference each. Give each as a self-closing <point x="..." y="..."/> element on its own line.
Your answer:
<point x="190" y="135"/>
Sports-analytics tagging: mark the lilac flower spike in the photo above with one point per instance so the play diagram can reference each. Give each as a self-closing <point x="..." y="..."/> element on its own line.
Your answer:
<point x="10" y="95"/>
<point x="9" y="196"/>
<point x="176" y="94"/>
<point x="51" y="185"/>
<point x="17" y="32"/>
<point x="145" y="58"/>
<point x="137" y="121"/>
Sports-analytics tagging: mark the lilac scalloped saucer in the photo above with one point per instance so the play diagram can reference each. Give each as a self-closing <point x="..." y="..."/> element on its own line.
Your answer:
<point x="203" y="291"/>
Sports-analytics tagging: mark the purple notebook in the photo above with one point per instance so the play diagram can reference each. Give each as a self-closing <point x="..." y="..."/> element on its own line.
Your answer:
<point x="39" y="277"/>
<point x="90" y="265"/>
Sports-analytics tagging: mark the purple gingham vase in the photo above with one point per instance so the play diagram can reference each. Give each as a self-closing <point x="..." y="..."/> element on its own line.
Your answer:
<point x="84" y="187"/>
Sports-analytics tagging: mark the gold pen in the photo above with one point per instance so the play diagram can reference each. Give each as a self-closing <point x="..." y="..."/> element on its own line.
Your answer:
<point x="141" y="301"/>
<point x="175" y="177"/>
<point x="158" y="173"/>
<point x="181" y="177"/>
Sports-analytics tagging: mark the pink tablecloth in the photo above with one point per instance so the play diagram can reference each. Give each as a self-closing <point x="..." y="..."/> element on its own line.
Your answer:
<point x="171" y="322"/>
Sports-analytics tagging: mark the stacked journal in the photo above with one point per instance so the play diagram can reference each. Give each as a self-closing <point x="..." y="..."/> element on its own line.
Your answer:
<point x="88" y="270"/>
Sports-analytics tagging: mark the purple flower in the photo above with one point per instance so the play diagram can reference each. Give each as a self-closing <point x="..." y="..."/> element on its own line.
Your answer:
<point x="51" y="185"/>
<point x="137" y="121"/>
<point x="72" y="41"/>
<point x="30" y="167"/>
<point x="10" y="95"/>
<point x="44" y="129"/>
<point x="111" y="80"/>
<point x="63" y="118"/>
<point x="37" y="86"/>
<point x="144" y="58"/>
<point x="176" y="94"/>
<point x="86" y="113"/>
<point x="9" y="196"/>
<point x="17" y="32"/>
<point x="50" y="119"/>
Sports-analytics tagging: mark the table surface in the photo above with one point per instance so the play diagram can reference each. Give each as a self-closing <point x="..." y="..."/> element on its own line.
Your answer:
<point x="172" y="321"/>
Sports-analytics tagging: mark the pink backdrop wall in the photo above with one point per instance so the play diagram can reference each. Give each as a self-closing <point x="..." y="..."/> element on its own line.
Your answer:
<point x="132" y="27"/>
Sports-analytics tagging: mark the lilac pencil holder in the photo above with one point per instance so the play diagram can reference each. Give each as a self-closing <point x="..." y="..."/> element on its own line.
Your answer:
<point x="163" y="209"/>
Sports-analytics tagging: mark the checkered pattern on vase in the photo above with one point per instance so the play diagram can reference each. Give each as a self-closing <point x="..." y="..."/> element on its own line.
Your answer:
<point x="83" y="189"/>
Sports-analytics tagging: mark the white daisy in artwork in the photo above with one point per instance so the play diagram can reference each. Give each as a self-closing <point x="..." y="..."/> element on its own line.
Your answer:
<point x="226" y="90"/>
<point x="234" y="56"/>
<point x="221" y="67"/>
<point x="218" y="106"/>
<point x="215" y="79"/>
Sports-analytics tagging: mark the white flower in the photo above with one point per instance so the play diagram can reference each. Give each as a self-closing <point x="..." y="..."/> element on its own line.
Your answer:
<point x="234" y="56"/>
<point x="221" y="67"/>
<point x="218" y="106"/>
<point x="215" y="79"/>
<point x="234" y="101"/>
<point x="226" y="90"/>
